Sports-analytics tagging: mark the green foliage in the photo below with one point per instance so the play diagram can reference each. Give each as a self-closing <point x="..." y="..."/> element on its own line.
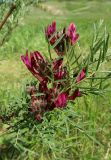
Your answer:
<point x="59" y="136"/>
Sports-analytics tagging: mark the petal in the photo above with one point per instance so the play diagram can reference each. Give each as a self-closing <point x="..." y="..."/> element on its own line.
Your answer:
<point x="77" y="93"/>
<point x="26" y="60"/>
<point x="54" y="26"/>
<point x="38" y="56"/>
<point x="75" y="38"/>
<point x="61" y="100"/>
<point x="71" y="33"/>
<point x="57" y="64"/>
<point x="49" y="31"/>
<point x="60" y="74"/>
<point x="71" y="28"/>
<point x="43" y="86"/>
<point x="81" y="76"/>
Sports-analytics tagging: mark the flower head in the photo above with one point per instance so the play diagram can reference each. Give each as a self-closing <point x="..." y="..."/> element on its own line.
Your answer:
<point x="50" y="30"/>
<point x="65" y="38"/>
<point x="71" y="33"/>
<point x="49" y="33"/>
<point x="54" y="88"/>
<point x="36" y="64"/>
<point x="61" y="100"/>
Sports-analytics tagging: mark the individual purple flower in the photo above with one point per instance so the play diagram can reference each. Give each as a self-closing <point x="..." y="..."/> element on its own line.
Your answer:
<point x="38" y="117"/>
<point x="36" y="64"/>
<point x="61" y="100"/>
<point x="81" y="76"/>
<point x="73" y="36"/>
<point x="76" y="94"/>
<point x="59" y="72"/>
<point x="57" y="63"/>
<point x="43" y="86"/>
<point x="64" y="97"/>
<point x="62" y="73"/>
<point x="49" y="31"/>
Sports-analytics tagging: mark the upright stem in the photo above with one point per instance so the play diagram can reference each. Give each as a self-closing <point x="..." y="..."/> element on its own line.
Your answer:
<point x="13" y="6"/>
<point x="49" y="51"/>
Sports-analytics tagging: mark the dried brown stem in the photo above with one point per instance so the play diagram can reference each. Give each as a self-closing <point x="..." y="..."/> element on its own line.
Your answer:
<point x="13" y="6"/>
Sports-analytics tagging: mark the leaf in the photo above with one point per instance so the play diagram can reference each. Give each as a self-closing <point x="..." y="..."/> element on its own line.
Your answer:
<point x="99" y="60"/>
<point x="100" y="86"/>
<point x="87" y="64"/>
<point x="106" y="86"/>
<point x="97" y="45"/>
<point x="76" y="60"/>
<point x="105" y="47"/>
<point x="89" y="136"/>
<point x="57" y="42"/>
<point x="92" y="55"/>
<point x="39" y="94"/>
<point x="71" y="54"/>
<point x="106" y="77"/>
<point x="52" y="36"/>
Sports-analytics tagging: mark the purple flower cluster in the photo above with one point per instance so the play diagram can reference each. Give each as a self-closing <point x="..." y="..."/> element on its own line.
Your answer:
<point x="69" y="37"/>
<point x="52" y="76"/>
